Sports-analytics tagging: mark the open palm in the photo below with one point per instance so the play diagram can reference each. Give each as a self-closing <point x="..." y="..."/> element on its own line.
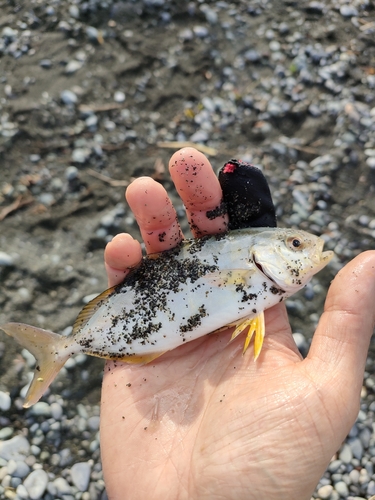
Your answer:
<point x="203" y="421"/>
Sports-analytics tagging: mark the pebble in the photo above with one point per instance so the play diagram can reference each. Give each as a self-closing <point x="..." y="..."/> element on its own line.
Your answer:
<point x="80" y="473"/>
<point x="36" y="484"/>
<point x="41" y="409"/>
<point x="6" y="259"/>
<point x="72" y="67"/>
<point x="346" y="454"/>
<point x="119" y="96"/>
<point x="16" y="448"/>
<point x="325" y="491"/>
<point x="348" y="11"/>
<point x="81" y="155"/>
<point x="356" y="448"/>
<point x="5" y="401"/>
<point x="68" y="97"/>
<point x="342" y="489"/>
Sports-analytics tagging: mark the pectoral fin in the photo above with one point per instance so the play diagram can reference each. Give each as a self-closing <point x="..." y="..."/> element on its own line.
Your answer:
<point x="255" y="326"/>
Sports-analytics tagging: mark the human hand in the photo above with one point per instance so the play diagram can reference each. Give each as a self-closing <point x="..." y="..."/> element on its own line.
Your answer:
<point x="203" y="421"/>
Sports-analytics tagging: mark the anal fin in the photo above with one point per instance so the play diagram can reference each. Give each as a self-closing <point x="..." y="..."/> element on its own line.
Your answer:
<point x="138" y="359"/>
<point x="255" y="326"/>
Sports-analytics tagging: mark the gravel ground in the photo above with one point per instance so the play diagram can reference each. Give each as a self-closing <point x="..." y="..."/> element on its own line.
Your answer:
<point x="94" y="93"/>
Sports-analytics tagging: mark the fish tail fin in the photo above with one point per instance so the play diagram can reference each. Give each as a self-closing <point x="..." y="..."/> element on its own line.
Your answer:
<point x="49" y="352"/>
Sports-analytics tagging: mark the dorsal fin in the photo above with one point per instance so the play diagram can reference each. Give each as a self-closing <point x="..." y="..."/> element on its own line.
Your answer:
<point x="90" y="308"/>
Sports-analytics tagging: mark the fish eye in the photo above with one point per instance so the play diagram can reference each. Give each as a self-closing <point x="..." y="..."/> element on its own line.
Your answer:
<point x="295" y="242"/>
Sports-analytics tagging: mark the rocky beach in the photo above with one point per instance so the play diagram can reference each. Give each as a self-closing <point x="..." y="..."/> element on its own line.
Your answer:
<point x="96" y="93"/>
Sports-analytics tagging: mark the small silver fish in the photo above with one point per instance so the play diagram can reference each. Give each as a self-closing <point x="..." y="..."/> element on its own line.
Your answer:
<point x="179" y="295"/>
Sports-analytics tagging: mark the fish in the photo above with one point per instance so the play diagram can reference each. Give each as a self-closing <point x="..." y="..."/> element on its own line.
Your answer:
<point x="176" y="296"/>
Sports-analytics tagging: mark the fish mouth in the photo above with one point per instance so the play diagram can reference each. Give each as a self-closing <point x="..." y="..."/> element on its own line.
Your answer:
<point x="322" y="258"/>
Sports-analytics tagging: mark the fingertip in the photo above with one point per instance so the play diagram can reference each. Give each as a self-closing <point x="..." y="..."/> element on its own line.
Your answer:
<point x="343" y="335"/>
<point x="123" y="252"/>
<point x="155" y="214"/>
<point x="200" y="191"/>
<point x="195" y="179"/>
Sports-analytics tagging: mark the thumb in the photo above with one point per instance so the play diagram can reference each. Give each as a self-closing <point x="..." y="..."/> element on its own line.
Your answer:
<point x="342" y="338"/>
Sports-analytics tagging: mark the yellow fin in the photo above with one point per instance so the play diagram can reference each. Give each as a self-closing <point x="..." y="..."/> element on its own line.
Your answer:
<point x="88" y="311"/>
<point x="255" y="326"/>
<point x="260" y="331"/>
<point x="139" y="360"/>
<point x="47" y="349"/>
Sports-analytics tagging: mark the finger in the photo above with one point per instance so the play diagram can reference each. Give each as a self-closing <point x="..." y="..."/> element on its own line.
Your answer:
<point x="200" y="191"/>
<point x="155" y="214"/>
<point x="121" y="254"/>
<point x="343" y="335"/>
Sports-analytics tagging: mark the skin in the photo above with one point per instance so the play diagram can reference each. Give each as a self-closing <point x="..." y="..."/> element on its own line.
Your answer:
<point x="203" y="421"/>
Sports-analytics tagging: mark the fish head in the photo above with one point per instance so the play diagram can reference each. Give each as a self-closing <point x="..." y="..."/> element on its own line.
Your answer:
<point x="289" y="257"/>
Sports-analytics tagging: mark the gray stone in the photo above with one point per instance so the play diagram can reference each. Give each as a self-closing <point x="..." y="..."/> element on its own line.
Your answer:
<point x="73" y="66"/>
<point x="348" y="11"/>
<point x="68" y="97"/>
<point x="71" y="173"/>
<point x="356" y="447"/>
<point x="56" y="411"/>
<point x="17" y="447"/>
<point x="342" y="489"/>
<point x="18" y="468"/>
<point x="36" y="483"/>
<point x="81" y="155"/>
<point x="5" y="433"/>
<point x="371" y="488"/>
<point x="41" y="408"/>
<point x="80" y="473"/>
<point x="5" y="401"/>
<point x="45" y="63"/>
<point x="334" y="466"/>
<point x="346" y="454"/>
<point x="22" y="492"/>
<point x="5" y="259"/>
<point x="62" y="486"/>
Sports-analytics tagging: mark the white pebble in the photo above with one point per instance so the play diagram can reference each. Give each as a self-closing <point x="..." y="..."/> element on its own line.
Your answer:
<point x="68" y="97"/>
<point x="5" y="259"/>
<point x="371" y="488"/>
<point x="36" y="483"/>
<point x="119" y="96"/>
<point x="80" y="473"/>
<point x="342" y="489"/>
<point x="324" y="492"/>
<point x="56" y="411"/>
<point x="357" y="448"/>
<point x="81" y="155"/>
<point x="62" y="486"/>
<point x="346" y="454"/>
<point x="5" y="401"/>
<point x="348" y="11"/>
<point x="354" y="476"/>
<point x="72" y="67"/>
<point x="17" y="447"/>
<point x="22" y="492"/>
<point x="41" y="408"/>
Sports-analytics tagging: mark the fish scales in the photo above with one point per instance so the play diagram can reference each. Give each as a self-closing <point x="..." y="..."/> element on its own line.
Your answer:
<point x="180" y="295"/>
